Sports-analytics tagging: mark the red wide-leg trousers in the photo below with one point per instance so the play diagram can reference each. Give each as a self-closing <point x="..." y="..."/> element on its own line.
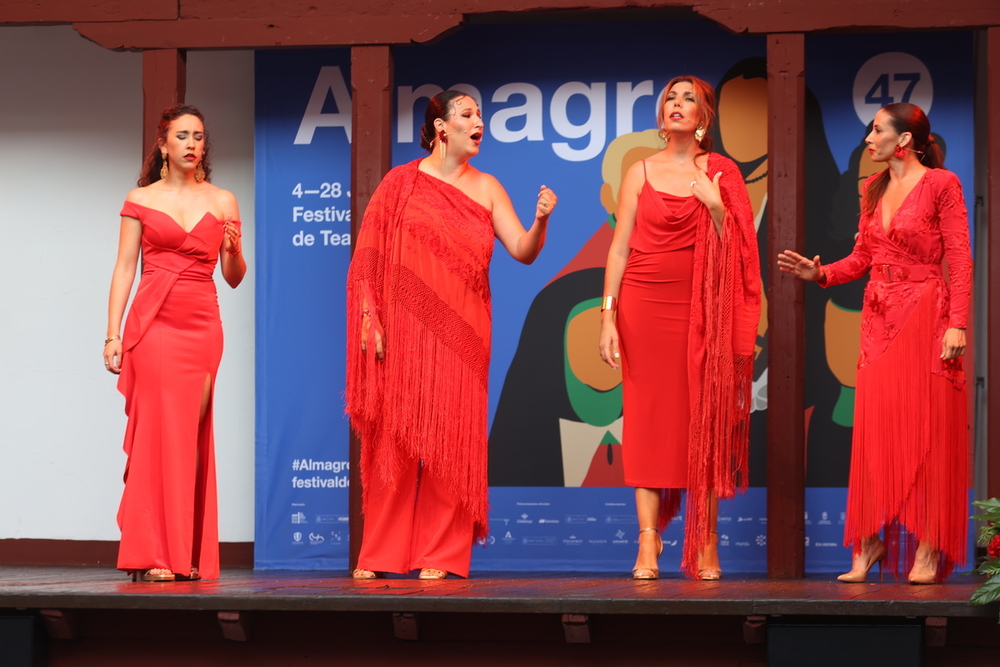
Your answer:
<point x="415" y="522"/>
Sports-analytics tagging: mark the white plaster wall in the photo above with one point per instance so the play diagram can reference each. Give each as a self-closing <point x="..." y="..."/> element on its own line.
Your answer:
<point x="70" y="149"/>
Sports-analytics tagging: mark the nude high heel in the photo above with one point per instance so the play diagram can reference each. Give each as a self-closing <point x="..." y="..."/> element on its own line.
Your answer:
<point x="872" y="551"/>
<point x="646" y="573"/>
<point x="925" y="564"/>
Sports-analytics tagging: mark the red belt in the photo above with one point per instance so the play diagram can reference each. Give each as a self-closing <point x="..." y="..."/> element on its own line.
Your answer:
<point x="900" y="273"/>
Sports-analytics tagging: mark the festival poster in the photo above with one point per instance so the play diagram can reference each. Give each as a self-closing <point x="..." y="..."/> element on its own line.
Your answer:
<point x="303" y="158"/>
<point x="560" y="112"/>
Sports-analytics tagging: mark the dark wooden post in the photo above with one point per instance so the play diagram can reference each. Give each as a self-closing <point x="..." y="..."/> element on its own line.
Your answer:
<point x="992" y="342"/>
<point x="786" y="98"/>
<point x="371" y="158"/>
<point x="164" y="83"/>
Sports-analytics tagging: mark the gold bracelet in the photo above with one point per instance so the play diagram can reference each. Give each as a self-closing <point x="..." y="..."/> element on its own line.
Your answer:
<point x="609" y="303"/>
<point x="115" y="337"/>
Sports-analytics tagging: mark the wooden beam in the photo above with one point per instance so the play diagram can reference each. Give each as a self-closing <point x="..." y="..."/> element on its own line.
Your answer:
<point x="164" y="83"/>
<point x="774" y="16"/>
<point x="786" y="103"/>
<point x="68" y="11"/>
<point x="760" y="16"/>
<point x="345" y="30"/>
<point x="991" y="144"/>
<point x="371" y="158"/>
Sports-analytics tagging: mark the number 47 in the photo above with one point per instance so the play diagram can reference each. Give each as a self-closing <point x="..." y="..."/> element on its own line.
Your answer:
<point x="881" y="85"/>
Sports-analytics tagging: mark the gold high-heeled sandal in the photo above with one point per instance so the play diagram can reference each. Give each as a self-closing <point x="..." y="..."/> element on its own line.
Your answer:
<point x="361" y="573"/>
<point x="648" y="573"/>
<point x="431" y="574"/>
<point x="710" y="573"/>
<point x="154" y="574"/>
<point x="872" y="551"/>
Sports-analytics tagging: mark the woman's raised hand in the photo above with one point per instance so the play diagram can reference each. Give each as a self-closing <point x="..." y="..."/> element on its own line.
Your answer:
<point x="800" y="267"/>
<point x="546" y="202"/>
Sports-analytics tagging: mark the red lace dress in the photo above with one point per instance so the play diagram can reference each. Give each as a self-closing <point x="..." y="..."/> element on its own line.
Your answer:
<point x="909" y="457"/>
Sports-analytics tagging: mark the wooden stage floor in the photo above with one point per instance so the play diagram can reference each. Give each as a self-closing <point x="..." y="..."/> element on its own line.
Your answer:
<point x="545" y="593"/>
<point x="90" y="617"/>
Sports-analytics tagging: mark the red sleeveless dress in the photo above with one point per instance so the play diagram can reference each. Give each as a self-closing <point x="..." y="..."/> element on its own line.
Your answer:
<point x="654" y="315"/>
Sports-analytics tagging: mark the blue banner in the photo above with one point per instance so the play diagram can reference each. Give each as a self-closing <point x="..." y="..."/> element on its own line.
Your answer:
<point x="570" y="106"/>
<point x="303" y="161"/>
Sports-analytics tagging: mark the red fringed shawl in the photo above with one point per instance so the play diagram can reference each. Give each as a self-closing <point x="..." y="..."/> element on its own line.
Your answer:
<point x="421" y="264"/>
<point x="725" y="313"/>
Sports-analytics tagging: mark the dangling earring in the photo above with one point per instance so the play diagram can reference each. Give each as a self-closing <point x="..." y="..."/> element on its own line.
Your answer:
<point x="699" y="133"/>
<point x="664" y="136"/>
<point x="199" y="173"/>
<point x="442" y="149"/>
<point x="163" y="167"/>
<point x="899" y="152"/>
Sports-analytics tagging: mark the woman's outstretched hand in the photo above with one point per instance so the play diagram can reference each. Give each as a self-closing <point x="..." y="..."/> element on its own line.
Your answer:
<point x="800" y="267"/>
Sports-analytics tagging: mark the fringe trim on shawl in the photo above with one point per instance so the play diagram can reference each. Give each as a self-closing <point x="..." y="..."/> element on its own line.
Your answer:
<point x="427" y="398"/>
<point x="909" y="460"/>
<point x="718" y="450"/>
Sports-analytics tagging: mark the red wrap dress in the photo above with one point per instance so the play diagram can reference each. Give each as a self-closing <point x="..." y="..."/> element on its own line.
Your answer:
<point x="171" y="343"/>
<point x="909" y="455"/>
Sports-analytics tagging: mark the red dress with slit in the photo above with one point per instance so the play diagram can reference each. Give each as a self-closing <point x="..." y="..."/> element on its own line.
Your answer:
<point x="909" y="455"/>
<point x="688" y="310"/>
<point x="171" y="343"/>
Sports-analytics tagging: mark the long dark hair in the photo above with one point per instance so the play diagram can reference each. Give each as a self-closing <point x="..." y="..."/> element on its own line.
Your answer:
<point x="905" y="117"/>
<point x="438" y="107"/>
<point x="704" y="96"/>
<point x="154" y="159"/>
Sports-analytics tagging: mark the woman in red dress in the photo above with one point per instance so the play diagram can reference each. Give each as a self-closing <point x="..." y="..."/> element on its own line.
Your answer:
<point x="418" y="313"/>
<point x="680" y="316"/>
<point x="909" y="456"/>
<point x="167" y="356"/>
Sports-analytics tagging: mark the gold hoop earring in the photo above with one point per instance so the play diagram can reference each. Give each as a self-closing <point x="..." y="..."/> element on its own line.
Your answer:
<point x="199" y="173"/>
<point x="163" y="167"/>
<point x="699" y="133"/>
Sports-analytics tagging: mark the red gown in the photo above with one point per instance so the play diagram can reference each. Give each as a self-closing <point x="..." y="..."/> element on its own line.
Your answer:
<point x="909" y="456"/>
<point x="688" y="312"/>
<point x="171" y="343"/>
<point x="421" y="265"/>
